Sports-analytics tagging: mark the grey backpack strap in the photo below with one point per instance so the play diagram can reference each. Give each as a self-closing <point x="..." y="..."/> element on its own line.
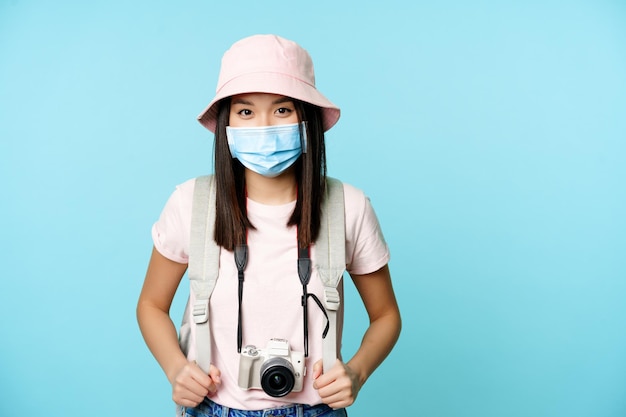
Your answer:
<point x="330" y="254"/>
<point x="204" y="255"/>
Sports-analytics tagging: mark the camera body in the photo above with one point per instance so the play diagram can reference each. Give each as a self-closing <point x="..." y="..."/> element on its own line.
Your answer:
<point x="277" y="369"/>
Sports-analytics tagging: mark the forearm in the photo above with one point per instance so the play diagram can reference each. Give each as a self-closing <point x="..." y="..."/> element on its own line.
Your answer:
<point x="379" y="339"/>
<point x="161" y="337"/>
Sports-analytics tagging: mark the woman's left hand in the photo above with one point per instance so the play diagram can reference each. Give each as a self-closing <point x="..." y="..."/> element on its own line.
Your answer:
<point x="340" y="385"/>
<point x="337" y="387"/>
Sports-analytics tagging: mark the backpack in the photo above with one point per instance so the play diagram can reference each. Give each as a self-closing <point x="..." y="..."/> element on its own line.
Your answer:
<point x="204" y="254"/>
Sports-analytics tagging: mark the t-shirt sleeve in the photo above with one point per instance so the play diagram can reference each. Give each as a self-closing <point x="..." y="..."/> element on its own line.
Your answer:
<point x="366" y="248"/>
<point x="170" y="233"/>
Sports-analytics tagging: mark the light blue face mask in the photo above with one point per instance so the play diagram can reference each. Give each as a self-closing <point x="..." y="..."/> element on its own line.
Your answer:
<point x="267" y="150"/>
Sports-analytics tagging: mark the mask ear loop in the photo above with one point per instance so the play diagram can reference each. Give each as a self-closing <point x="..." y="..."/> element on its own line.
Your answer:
<point x="303" y="135"/>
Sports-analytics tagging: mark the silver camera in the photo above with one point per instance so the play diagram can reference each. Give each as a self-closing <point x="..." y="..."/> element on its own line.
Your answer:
<point x="277" y="370"/>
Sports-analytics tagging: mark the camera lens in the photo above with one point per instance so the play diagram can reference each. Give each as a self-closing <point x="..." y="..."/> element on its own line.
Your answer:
<point x="277" y="378"/>
<point x="276" y="381"/>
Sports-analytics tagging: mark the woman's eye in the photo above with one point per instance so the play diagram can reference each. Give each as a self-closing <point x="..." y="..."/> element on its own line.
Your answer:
<point x="284" y="111"/>
<point x="244" y="112"/>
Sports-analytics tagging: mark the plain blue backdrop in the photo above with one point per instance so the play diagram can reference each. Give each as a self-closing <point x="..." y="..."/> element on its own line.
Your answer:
<point x="490" y="137"/>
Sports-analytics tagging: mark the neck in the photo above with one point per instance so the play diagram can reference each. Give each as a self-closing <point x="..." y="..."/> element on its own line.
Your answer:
<point x="282" y="189"/>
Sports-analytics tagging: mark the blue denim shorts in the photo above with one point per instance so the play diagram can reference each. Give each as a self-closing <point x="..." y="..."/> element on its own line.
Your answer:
<point x="210" y="409"/>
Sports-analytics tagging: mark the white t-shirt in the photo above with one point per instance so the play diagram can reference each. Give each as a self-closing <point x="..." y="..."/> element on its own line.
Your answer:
<point x="272" y="291"/>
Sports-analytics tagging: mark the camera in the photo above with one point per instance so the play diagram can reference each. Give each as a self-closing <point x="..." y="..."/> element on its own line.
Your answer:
<point x="276" y="369"/>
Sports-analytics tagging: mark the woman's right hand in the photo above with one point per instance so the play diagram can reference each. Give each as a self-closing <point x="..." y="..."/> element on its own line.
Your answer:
<point x="191" y="385"/>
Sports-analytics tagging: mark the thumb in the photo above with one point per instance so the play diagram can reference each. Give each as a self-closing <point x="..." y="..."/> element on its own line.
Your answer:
<point x="215" y="374"/>
<point x="317" y="369"/>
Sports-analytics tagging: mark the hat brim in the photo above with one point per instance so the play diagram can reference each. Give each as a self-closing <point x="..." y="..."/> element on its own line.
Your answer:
<point x="273" y="83"/>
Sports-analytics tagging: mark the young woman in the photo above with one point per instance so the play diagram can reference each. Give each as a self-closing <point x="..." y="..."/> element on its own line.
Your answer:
<point x="270" y="178"/>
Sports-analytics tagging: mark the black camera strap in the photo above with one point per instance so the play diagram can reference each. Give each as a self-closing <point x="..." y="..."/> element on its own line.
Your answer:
<point x="241" y="260"/>
<point x="304" y="273"/>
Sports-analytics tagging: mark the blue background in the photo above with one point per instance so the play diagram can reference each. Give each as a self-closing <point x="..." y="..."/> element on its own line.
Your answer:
<point x="490" y="138"/>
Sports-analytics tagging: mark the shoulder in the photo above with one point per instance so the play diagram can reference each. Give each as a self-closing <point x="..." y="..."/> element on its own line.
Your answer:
<point x="351" y="192"/>
<point x="366" y="249"/>
<point x="181" y="198"/>
<point x="170" y="233"/>
<point x="358" y="209"/>
<point x="188" y="186"/>
<point x="355" y="199"/>
<point x="180" y="202"/>
<point x="184" y="191"/>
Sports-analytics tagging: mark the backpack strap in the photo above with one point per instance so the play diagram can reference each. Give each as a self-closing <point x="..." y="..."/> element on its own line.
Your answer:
<point x="204" y="255"/>
<point x="330" y="259"/>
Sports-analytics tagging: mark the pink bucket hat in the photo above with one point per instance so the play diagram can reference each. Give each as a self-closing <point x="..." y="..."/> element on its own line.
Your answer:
<point x="268" y="64"/>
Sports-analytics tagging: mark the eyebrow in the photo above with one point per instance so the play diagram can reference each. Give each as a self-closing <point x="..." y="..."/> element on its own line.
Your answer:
<point x="282" y="100"/>
<point x="241" y="101"/>
<point x="249" y="103"/>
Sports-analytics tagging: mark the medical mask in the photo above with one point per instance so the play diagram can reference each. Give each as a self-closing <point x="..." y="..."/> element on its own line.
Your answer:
<point x="267" y="150"/>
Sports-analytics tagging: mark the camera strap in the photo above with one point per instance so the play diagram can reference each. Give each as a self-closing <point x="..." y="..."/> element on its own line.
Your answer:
<point x="304" y="273"/>
<point x="241" y="260"/>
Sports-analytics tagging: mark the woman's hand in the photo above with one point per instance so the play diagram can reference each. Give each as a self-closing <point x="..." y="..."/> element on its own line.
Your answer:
<point x="337" y="387"/>
<point x="340" y="385"/>
<point x="191" y="385"/>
